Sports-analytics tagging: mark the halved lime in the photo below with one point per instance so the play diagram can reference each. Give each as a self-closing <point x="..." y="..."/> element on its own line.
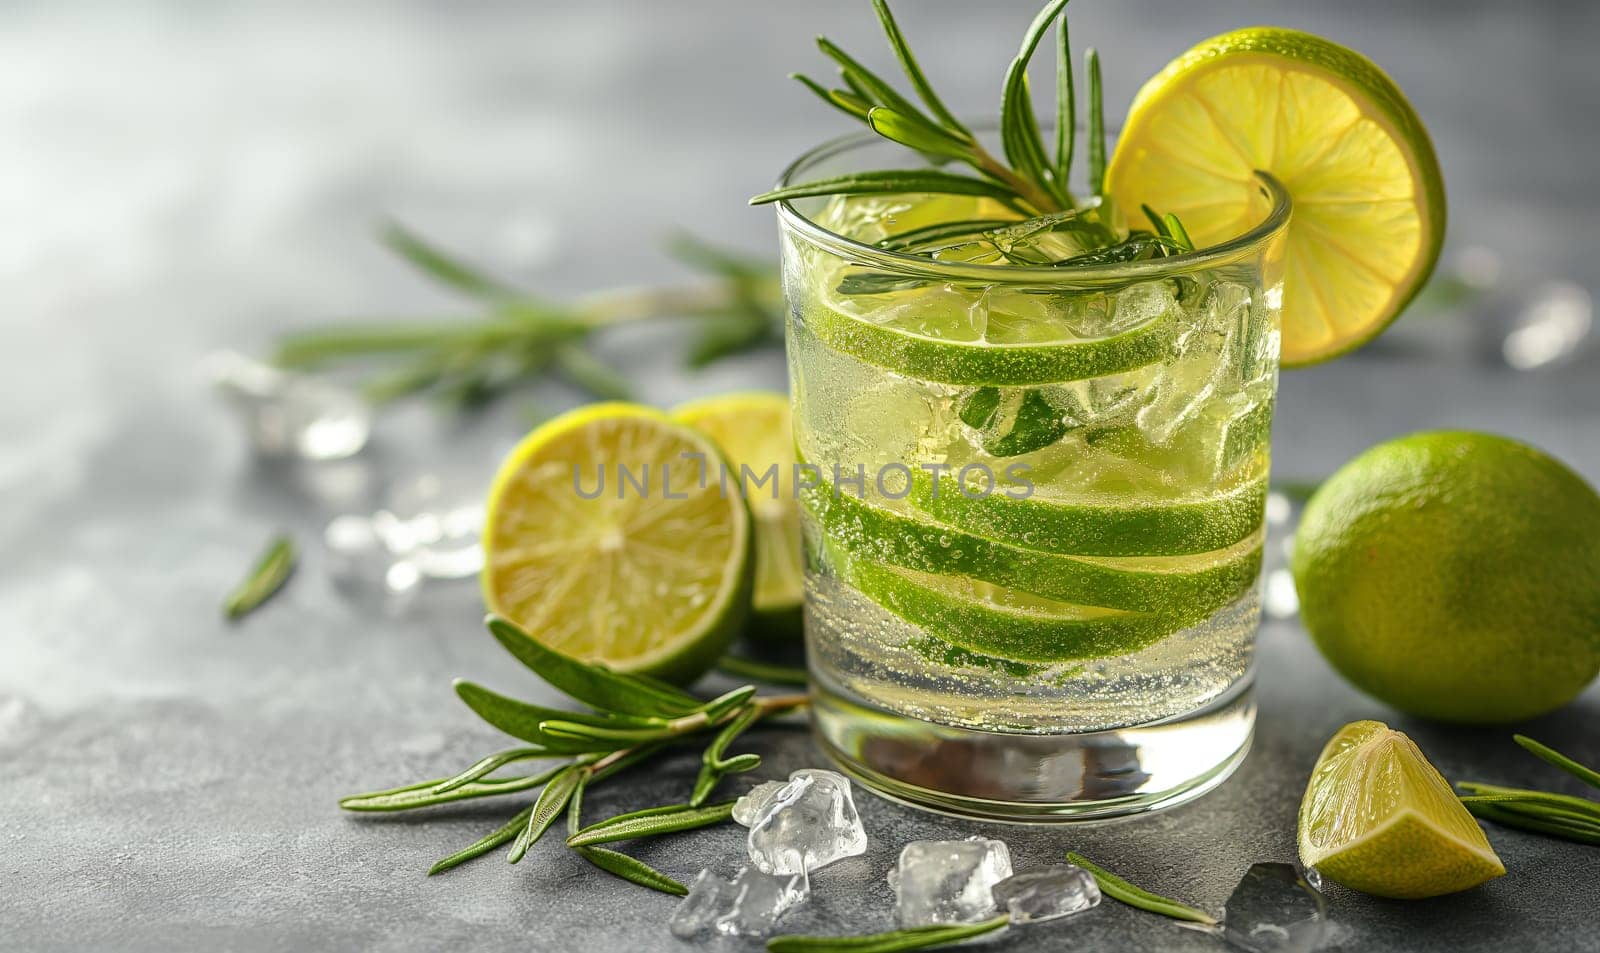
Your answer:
<point x="754" y="430"/>
<point x="606" y="541"/>
<point x="1377" y="817"/>
<point x="1369" y="208"/>
<point x="1030" y="520"/>
<point x="1168" y="585"/>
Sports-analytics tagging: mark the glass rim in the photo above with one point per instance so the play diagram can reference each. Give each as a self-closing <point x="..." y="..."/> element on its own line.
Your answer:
<point x="859" y="252"/>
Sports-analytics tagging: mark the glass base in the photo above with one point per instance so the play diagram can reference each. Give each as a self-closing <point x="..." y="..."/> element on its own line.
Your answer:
<point x="1037" y="778"/>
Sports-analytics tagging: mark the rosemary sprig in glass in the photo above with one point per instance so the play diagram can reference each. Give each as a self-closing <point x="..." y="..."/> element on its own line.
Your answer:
<point x="469" y="361"/>
<point x="631" y="719"/>
<point x="1029" y="181"/>
<point x="266" y="577"/>
<point x="1542" y="812"/>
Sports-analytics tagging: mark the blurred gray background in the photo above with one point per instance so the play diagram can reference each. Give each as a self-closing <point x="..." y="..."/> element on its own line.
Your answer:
<point x="180" y="177"/>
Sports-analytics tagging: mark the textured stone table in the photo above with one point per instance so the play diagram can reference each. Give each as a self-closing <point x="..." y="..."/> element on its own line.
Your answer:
<point x="182" y="177"/>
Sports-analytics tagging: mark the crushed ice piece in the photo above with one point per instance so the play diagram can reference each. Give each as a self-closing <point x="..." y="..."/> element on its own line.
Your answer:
<point x="747" y="904"/>
<point x="1275" y="910"/>
<point x="948" y="881"/>
<point x="363" y="568"/>
<point x="807" y="824"/>
<point x="290" y="415"/>
<point x="749" y="807"/>
<point x="1035" y="896"/>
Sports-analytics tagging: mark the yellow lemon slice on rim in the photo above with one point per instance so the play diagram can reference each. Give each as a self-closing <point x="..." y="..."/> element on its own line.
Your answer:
<point x="1369" y="208"/>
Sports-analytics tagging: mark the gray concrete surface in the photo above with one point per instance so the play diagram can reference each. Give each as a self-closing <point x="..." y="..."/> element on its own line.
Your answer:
<point x="179" y="177"/>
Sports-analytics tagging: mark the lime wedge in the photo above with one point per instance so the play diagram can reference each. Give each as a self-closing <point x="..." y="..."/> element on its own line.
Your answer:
<point x="1377" y="817"/>
<point x="1169" y="585"/>
<point x="754" y="430"/>
<point x="1369" y="208"/>
<point x="648" y="577"/>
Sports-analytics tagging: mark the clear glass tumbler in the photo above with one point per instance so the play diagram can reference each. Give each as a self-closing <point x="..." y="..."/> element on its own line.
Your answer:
<point x="1033" y="504"/>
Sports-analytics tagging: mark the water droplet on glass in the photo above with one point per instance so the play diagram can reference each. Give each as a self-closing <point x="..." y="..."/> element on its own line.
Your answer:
<point x="290" y="415"/>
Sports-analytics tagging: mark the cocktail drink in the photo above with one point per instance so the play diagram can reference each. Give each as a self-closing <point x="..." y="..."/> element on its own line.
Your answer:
<point x="1033" y="405"/>
<point x="1033" y="498"/>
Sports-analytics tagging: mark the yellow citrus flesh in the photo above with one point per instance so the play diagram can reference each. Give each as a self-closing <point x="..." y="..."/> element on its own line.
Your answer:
<point x="650" y="577"/>
<point x="1369" y="209"/>
<point x="754" y="430"/>
<point x="1377" y="817"/>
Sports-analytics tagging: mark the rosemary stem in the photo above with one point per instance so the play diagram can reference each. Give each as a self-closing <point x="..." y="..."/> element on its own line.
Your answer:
<point x="774" y="704"/>
<point x="1030" y="193"/>
<point x="626" y="305"/>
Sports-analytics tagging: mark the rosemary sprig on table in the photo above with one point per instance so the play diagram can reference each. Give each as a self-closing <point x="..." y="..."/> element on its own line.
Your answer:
<point x="467" y="362"/>
<point x="1119" y="889"/>
<point x="266" y="577"/>
<point x="631" y="719"/>
<point x="892" y="941"/>
<point x="1542" y="812"/>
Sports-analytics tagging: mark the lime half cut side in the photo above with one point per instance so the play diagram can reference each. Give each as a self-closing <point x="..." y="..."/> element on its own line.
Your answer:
<point x="1377" y="817"/>
<point x="754" y="431"/>
<point x="1368" y="196"/>
<point x="651" y="575"/>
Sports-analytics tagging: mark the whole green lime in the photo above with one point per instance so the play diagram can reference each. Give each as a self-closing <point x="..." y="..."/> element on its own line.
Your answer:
<point x="1455" y="575"/>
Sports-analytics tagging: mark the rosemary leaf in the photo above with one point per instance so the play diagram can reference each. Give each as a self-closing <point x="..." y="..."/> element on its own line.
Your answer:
<point x="879" y="92"/>
<point x="600" y="738"/>
<point x="590" y="373"/>
<point x="441" y="266"/>
<point x="500" y="836"/>
<point x="848" y="103"/>
<point x="424" y="794"/>
<point x="1549" y="755"/>
<point x="266" y="577"/>
<point x="593" y="685"/>
<point x="1097" y="124"/>
<point x="1118" y="889"/>
<point x="1019" y="126"/>
<point x="523" y="720"/>
<point x="619" y="761"/>
<point x="713" y="766"/>
<point x="917" y="133"/>
<point x="552" y="801"/>
<point x="894" y="941"/>
<point x="629" y="868"/>
<point x="741" y="667"/>
<point x="888" y="181"/>
<point x="491" y="763"/>
<point x="939" y="234"/>
<point x="1066" y="107"/>
<point x="1538" y="824"/>
<point x="680" y="817"/>
<point x="919" y="82"/>
<point x="1178" y="233"/>
<point x="717" y="708"/>
<point x="1565" y="801"/>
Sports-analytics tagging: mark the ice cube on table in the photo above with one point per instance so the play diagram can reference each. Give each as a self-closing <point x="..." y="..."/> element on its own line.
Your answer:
<point x="1275" y="910"/>
<point x="364" y="569"/>
<point x="948" y="881"/>
<point x="749" y="807"/>
<point x="290" y="415"/>
<point x="1035" y="896"/>
<point x="747" y="904"/>
<point x="807" y="824"/>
